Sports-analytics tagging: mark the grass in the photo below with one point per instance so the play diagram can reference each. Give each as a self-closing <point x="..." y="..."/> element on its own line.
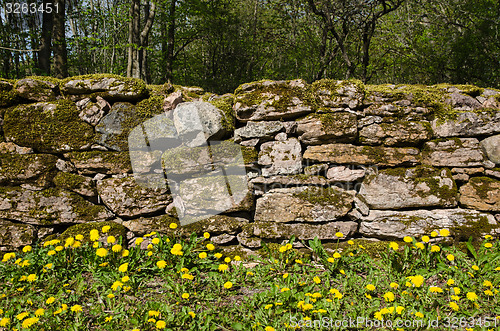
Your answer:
<point x="94" y="283"/>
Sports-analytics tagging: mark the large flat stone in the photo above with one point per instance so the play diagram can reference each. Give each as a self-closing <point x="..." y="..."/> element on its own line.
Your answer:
<point x="302" y="204"/>
<point x="125" y="197"/>
<point x="93" y="162"/>
<point x="481" y="193"/>
<point x="13" y="236"/>
<point x="51" y="127"/>
<point x="48" y="207"/>
<point x="362" y="155"/>
<point x="399" y="133"/>
<point x="281" y="157"/>
<point x="262" y="130"/>
<point x="468" y="124"/>
<point x="112" y="87"/>
<point x="491" y="146"/>
<point x="409" y="188"/>
<point x="36" y="89"/>
<point x="339" y="94"/>
<point x="327" y="128"/>
<point x="273" y="100"/>
<point x="390" y="224"/>
<point x="457" y="152"/>
<point x="33" y="169"/>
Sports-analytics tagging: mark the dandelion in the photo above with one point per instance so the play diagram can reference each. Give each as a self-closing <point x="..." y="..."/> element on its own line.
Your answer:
<point x="444" y="233"/>
<point x="488" y="292"/>
<point x="105" y="229"/>
<point x="450" y="282"/>
<point x="435" y="248"/>
<point x="153" y="313"/>
<point x="370" y="287"/>
<point x="76" y="308"/>
<point x="116" y="248"/>
<point x="79" y="237"/>
<point x="389" y="297"/>
<point x="227" y="259"/>
<point x="27" y="249"/>
<point x="185" y="296"/>
<point x="350" y="242"/>
<point x="77" y="244"/>
<point x="434" y="234"/>
<point x="102" y="252"/>
<point x="339" y="235"/>
<point x="475" y="267"/>
<point x="4" y="321"/>
<point x="210" y="247"/>
<point x="21" y="316"/>
<point x="407" y="239"/>
<point x="368" y="296"/>
<point x="176" y="249"/>
<point x="419" y="314"/>
<point x="285" y="275"/>
<point x="111" y="239"/>
<point x="453" y="305"/>
<point x="125" y="252"/>
<point x="223" y="267"/>
<point x="156" y="240"/>
<point x="487" y="283"/>
<point x="237" y="258"/>
<point x="69" y="242"/>
<point x="110" y="295"/>
<point x="161" y="324"/>
<point x="228" y="285"/>
<point x="488" y="245"/>
<point x="218" y="255"/>
<point x="51" y="252"/>
<point x="116" y="285"/>
<point x="108" y="319"/>
<point x="50" y="300"/>
<point x="94" y="235"/>
<point x="161" y="264"/>
<point x="95" y="244"/>
<point x="173" y="226"/>
<point x="425" y="239"/>
<point x="138" y="241"/>
<point x="393" y="245"/>
<point x="394" y="285"/>
<point x="419" y="245"/>
<point x="123" y="267"/>
<point x="435" y="289"/>
<point x="269" y="328"/>
<point x="399" y="309"/>
<point x="471" y="296"/>
<point x="284" y="289"/>
<point x="206" y="235"/>
<point x="316" y="280"/>
<point x="417" y="280"/>
<point x="125" y="279"/>
<point x="31" y="278"/>
<point x="192" y="314"/>
<point x="450" y="257"/>
<point x="456" y="290"/>
<point x="187" y="276"/>
<point x="29" y="322"/>
<point x="336" y="255"/>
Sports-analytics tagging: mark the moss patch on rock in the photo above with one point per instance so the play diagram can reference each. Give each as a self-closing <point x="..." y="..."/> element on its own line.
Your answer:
<point x="116" y="230"/>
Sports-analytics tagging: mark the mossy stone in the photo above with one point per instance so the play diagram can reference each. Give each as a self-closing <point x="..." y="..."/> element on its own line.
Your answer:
<point x="116" y="230"/>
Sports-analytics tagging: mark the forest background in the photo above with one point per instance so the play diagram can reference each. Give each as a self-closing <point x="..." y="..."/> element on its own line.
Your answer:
<point x="219" y="44"/>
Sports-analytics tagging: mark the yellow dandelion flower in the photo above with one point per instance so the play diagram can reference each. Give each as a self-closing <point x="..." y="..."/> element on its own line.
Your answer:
<point x="435" y="248"/>
<point x="450" y="257"/>
<point x="393" y="245"/>
<point x="79" y="237"/>
<point x="76" y="308"/>
<point x="29" y="322"/>
<point x="227" y="259"/>
<point x="269" y="328"/>
<point x="339" y="235"/>
<point x="110" y="295"/>
<point x="153" y="313"/>
<point x="435" y="289"/>
<point x="223" y="267"/>
<point x="116" y="248"/>
<point x="444" y="232"/>
<point x="4" y="321"/>
<point x="453" y="305"/>
<point x="111" y="239"/>
<point x="389" y="296"/>
<point x="39" y="312"/>
<point x="21" y="316"/>
<point x="419" y="245"/>
<point x="316" y="280"/>
<point x="285" y="275"/>
<point x="488" y="245"/>
<point x="185" y="296"/>
<point x="206" y="235"/>
<point x="105" y="229"/>
<point x="95" y="244"/>
<point x="77" y="244"/>
<point x="50" y="300"/>
<point x="475" y="267"/>
<point x="173" y="226"/>
<point x="456" y="290"/>
<point x="228" y="285"/>
<point x="125" y="253"/>
<point x="434" y="234"/>
<point x="394" y="285"/>
<point x="368" y="296"/>
<point x="161" y="264"/>
<point x="69" y="241"/>
<point x="27" y="249"/>
<point x="161" y="324"/>
<point x="407" y="239"/>
<point x="284" y="289"/>
<point x="51" y="252"/>
<point x="102" y="252"/>
<point x="31" y="278"/>
<point x="471" y="296"/>
<point x="488" y="292"/>
<point x="123" y="267"/>
<point x="156" y="240"/>
<point x="370" y="287"/>
<point x="450" y="282"/>
<point x="218" y="255"/>
<point x="187" y="276"/>
<point x="419" y="314"/>
<point x="399" y="309"/>
<point x="125" y="279"/>
<point x="94" y="235"/>
<point x="487" y="283"/>
<point x="417" y="280"/>
<point x="108" y="319"/>
<point x="138" y="241"/>
<point x="237" y="258"/>
<point x="192" y="314"/>
<point x="116" y="285"/>
<point x="210" y="247"/>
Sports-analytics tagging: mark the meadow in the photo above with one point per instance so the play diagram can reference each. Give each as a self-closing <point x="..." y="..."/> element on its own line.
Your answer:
<point x="92" y="282"/>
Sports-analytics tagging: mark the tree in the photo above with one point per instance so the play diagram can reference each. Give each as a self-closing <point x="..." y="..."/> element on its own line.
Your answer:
<point x="344" y="18"/>
<point x="59" y="46"/>
<point x="46" y="39"/>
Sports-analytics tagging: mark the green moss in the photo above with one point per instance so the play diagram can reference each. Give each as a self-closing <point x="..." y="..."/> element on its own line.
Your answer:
<point x="162" y="90"/>
<point x="14" y="166"/>
<point x="150" y="107"/>
<point x="335" y="85"/>
<point x="473" y="228"/>
<point x="250" y="154"/>
<point x="483" y="185"/>
<point x="131" y="84"/>
<point x="51" y="130"/>
<point x="116" y="230"/>
<point x="8" y="96"/>
<point x="50" y="79"/>
<point x="266" y="92"/>
<point x="226" y="105"/>
<point x="69" y="180"/>
<point x="323" y="196"/>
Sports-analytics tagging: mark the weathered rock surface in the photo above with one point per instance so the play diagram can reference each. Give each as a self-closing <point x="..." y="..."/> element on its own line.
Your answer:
<point x="263" y="184"/>
<point x="13" y="236"/>
<point x="11" y="148"/>
<point x="198" y="121"/>
<point x="273" y="100"/>
<point x="458" y="152"/>
<point x="314" y="204"/>
<point x="400" y="133"/>
<point x="481" y="193"/>
<point x="390" y="224"/>
<point x="126" y="198"/>
<point x="51" y="127"/>
<point x="344" y="174"/>
<point x="36" y="90"/>
<point x="281" y="157"/>
<point x="468" y="124"/>
<point x="76" y="183"/>
<point x="8" y="96"/>
<point x="34" y="169"/>
<point x="254" y="233"/>
<point x="316" y="169"/>
<point x="184" y="160"/>
<point x="339" y="94"/>
<point x="263" y="130"/>
<point x="409" y="188"/>
<point x="463" y="101"/>
<point x="327" y="128"/>
<point x="491" y="146"/>
<point x="114" y="128"/>
<point x="114" y="87"/>
<point x="362" y="155"/>
<point x="91" y="112"/>
<point x="172" y="101"/>
<point x="48" y="207"/>
<point x="93" y="162"/>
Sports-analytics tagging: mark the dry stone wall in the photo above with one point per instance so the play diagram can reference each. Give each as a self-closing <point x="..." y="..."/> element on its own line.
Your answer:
<point x="376" y="162"/>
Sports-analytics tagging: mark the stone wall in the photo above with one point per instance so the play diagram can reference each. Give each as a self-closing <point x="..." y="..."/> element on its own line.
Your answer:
<point x="376" y="162"/>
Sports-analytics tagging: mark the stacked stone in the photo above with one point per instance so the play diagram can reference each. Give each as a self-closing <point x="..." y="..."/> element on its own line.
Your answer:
<point x="378" y="162"/>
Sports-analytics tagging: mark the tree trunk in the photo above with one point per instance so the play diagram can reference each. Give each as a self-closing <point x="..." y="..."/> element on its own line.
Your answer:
<point x="133" y="40"/>
<point x="60" y="52"/>
<point x="170" y="42"/>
